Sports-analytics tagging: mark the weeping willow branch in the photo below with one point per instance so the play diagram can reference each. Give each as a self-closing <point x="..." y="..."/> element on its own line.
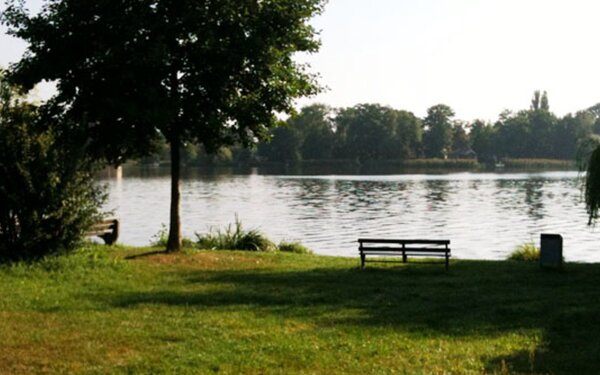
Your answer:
<point x="592" y="186"/>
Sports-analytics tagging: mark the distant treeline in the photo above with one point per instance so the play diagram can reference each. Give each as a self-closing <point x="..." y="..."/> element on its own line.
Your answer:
<point x="371" y="132"/>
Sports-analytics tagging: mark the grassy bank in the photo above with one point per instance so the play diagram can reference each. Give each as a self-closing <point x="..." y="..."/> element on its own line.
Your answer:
<point x="281" y="313"/>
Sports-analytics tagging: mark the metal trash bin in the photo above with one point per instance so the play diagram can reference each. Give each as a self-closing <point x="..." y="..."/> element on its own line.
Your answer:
<point x="551" y="250"/>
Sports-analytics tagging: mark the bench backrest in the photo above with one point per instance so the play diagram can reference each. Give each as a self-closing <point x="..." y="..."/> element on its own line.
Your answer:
<point x="105" y="225"/>
<point x="373" y="245"/>
<point x="403" y="242"/>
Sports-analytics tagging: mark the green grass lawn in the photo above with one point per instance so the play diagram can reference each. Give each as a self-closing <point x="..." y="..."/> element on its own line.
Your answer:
<point x="275" y="313"/>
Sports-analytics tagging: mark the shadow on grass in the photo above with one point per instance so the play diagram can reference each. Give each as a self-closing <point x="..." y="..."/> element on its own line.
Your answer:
<point x="146" y="254"/>
<point x="482" y="298"/>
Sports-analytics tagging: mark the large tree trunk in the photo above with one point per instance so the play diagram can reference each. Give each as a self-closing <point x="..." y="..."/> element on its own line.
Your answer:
<point x="174" y="242"/>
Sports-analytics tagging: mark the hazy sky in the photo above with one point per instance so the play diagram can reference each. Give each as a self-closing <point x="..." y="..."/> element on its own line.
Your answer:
<point x="478" y="56"/>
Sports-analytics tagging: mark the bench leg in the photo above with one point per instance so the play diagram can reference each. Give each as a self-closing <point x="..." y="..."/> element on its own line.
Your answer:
<point x="362" y="261"/>
<point x="111" y="238"/>
<point x="403" y="257"/>
<point x="447" y="261"/>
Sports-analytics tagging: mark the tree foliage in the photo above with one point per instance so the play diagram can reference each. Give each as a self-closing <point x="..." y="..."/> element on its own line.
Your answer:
<point x="592" y="185"/>
<point x="210" y="72"/>
<point x="437" y="138"/>
<point x="481" y="138"/>
<point x="362" y="132"/>
<point x="47" y="194"/>
<point x="375" y="132"/>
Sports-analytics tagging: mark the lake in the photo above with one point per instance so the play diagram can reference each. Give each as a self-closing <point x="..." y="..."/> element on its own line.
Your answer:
<point x="485" y="215"/>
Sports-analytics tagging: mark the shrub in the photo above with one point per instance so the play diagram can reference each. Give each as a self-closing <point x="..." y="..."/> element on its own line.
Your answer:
<point x="294" y="247"/>
<point x="48" y="197"/>
<point x="526" y="252"/>
<point x="235" y="238"/>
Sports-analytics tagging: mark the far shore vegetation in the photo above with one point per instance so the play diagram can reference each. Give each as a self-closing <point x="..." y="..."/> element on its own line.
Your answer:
<point x="353" y="166"/>
<point x="372" y="135"/>
<point x="127" y="310"/>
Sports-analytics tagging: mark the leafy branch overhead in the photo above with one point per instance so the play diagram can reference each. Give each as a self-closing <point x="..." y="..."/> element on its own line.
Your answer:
<point x="209" y="72"/>
<point x="212" y="71"/>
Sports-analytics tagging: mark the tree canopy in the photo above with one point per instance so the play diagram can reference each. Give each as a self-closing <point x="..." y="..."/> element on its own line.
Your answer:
<point x="376" y="132"/>
<point x="209" y="72"/>
<point x="437" y="138"/>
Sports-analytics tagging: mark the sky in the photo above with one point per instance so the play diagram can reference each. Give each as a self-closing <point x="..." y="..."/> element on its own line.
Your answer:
<point x="480" y="57"/>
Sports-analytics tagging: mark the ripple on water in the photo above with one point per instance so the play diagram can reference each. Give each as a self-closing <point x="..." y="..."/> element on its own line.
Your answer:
<point x="484" y="215"/>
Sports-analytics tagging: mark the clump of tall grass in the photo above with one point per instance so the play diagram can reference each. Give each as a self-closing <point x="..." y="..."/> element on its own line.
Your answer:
<point x="441" y="163"/>
<point x="161" y="238"/>
<point x="235" y="237"/>
<point x="539" y="163"/>
<point x="294" y="247"/>
<point x="526" y="252"/>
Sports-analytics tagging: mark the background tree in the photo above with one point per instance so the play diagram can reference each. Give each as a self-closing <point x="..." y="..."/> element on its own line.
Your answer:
<point x="437" y="136"/>
<point x="371" y="132"/>
<point x="409" y="134"/>
<point x="284" y="146"/>
<point x="201" y="72"/>
<point x="568" y="131"/>
<point x="460" y="138"/>
<point x="317" y="129"/>
<point x="544" y="103"/>
<point x="540" y="101"/>
<point x="481" y="138"/>
<point x="513" y="135"/>
<point x="541" y="127"/>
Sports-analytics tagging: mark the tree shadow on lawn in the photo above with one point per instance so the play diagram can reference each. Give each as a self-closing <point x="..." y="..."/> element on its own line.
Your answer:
<point x="473" y="298"/>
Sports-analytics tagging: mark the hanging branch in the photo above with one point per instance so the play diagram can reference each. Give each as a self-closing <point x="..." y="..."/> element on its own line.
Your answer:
<point x="592" y="186"/>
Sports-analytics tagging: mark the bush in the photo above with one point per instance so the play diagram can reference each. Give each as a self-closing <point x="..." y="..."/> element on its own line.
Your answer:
<point x="48" y="197"/>
<point x="294" y="247"/>
<point x="235" y="238"/>
<point x="526" y="252"/>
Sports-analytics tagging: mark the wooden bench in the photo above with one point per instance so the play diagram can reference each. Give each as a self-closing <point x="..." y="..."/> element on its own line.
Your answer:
<point x="107" y="229"/>
<point x="404" y="248"/>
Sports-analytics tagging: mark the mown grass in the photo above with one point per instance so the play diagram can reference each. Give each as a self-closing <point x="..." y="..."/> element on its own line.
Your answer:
<point x="141" y="311"/>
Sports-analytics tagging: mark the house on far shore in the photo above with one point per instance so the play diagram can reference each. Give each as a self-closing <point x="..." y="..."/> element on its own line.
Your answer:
<point x="466" y="153"/>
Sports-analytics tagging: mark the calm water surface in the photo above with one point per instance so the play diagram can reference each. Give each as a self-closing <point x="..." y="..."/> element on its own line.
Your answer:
<point x="485" y="215"/>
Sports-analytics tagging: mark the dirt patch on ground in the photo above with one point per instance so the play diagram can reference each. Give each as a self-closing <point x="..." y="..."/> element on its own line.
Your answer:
<point x="212" y="260"/>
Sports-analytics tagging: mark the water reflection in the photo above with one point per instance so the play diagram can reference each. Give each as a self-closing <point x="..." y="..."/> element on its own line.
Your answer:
<point x="437" y="192"/>
<point x="484" y="215"/>
<point x="534" y="198"/>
